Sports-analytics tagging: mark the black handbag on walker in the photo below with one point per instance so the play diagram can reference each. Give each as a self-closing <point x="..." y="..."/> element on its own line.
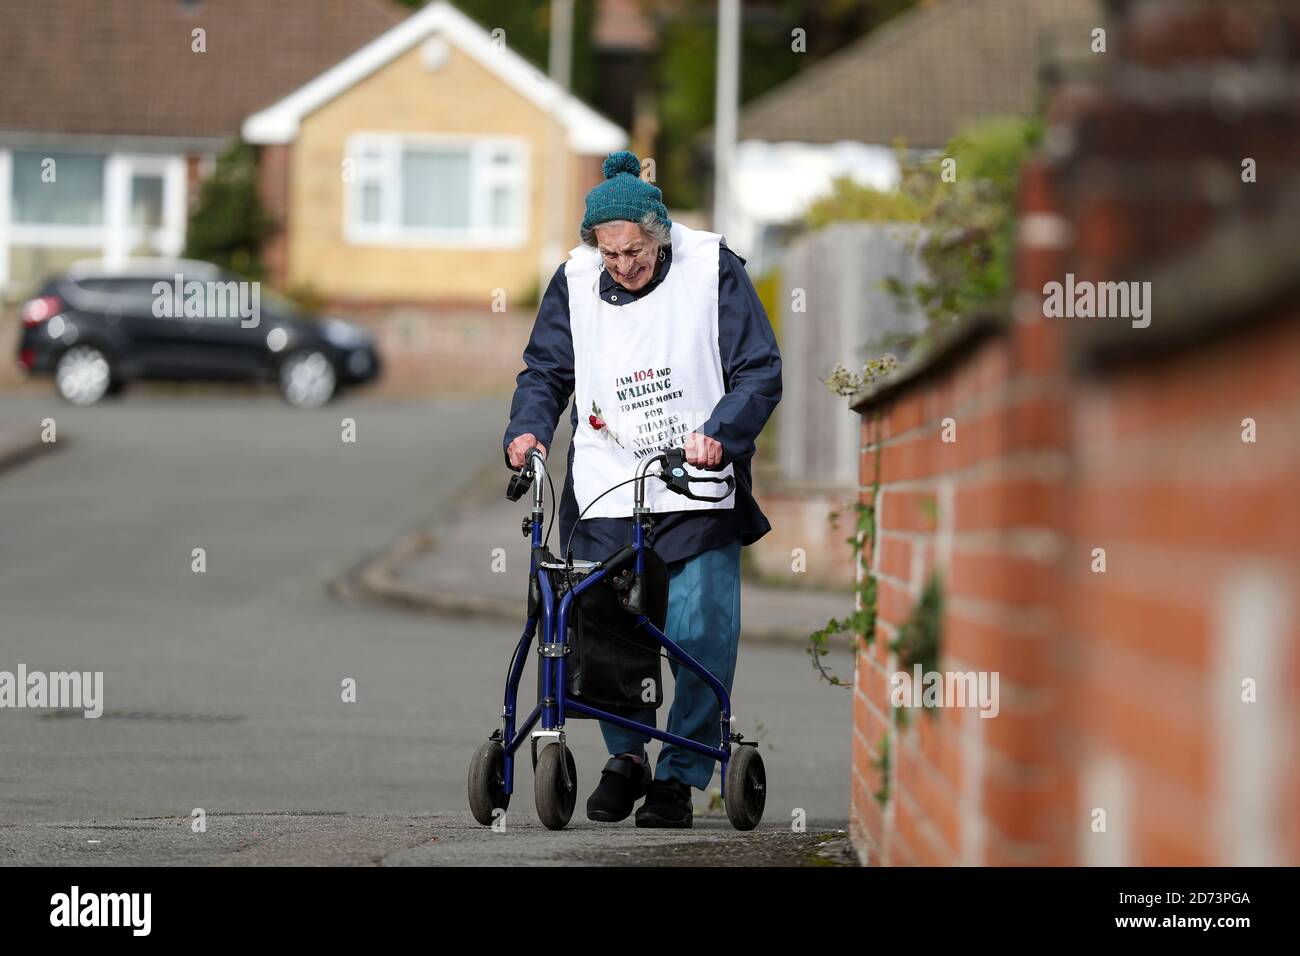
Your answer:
<point x="613" y="664"/>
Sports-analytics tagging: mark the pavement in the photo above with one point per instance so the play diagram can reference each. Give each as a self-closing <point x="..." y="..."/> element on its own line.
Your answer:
<point x="221" y="688"/>
<point x="344" y="839"/>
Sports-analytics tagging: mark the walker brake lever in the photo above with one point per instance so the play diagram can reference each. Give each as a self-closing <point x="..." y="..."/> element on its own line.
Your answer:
<point x="520" y="483"/>
<point x="678" y="479"/>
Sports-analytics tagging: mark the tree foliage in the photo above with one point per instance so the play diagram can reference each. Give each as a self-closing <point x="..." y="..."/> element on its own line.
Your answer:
<point x="684" y="70"/>
<point x="964" y="198"/>
<point x="229" y="221"/>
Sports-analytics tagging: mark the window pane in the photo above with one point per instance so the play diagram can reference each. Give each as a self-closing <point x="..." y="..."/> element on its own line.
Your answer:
<point x="435" y="189"/>
<point x="134" y="294"/>
<point x="147" y="201"/>
<point x="224" y="300"/>
<point x="371" y="161"/>
<point x="503" y="207"/>
<point x="131" y="286"/>
<point x="75" y="197"/>
<point x="372" y="208"/>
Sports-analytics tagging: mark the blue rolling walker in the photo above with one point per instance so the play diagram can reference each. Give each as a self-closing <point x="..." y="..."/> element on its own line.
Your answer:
<point x="631" y="574"/>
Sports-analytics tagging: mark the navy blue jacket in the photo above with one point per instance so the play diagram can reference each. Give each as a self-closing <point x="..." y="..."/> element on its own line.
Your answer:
<point x="752" y="384"/>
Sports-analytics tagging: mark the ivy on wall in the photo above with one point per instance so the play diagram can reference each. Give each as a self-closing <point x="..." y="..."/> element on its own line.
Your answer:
<point x="920" y="637"/>
<point x="861" y="622"/>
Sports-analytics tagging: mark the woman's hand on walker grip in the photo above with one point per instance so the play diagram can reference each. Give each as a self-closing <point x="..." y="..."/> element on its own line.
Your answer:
<point x="703" y="451"/>
<point x="518" y="449"/>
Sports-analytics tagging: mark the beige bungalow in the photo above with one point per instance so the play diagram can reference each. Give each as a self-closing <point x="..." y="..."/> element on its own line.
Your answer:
<point x="434" y="164"/>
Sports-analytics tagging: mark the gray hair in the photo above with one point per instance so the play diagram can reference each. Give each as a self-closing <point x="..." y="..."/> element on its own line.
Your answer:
<point x="650" y="224"/>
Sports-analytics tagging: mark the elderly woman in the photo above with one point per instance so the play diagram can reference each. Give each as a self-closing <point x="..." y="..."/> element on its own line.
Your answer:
<point x="657" y="332"/>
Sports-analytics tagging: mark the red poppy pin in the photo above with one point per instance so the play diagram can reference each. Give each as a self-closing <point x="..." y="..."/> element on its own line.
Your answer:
<point x="598" y="424"/>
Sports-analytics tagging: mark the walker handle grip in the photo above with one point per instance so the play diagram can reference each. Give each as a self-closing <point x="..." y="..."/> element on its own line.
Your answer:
<point x="678" y="479"/>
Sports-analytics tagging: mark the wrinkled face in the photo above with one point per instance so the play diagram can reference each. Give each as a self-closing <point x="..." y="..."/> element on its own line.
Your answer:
<point x="629" y="254"/>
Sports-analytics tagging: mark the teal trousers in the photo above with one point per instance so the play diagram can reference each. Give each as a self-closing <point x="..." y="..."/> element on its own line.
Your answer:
<point x="704" y="619"/>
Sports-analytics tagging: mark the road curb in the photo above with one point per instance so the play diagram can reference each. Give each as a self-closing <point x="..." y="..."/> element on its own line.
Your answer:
<point x="17" y="449"/>
<point x="377" y="581"/>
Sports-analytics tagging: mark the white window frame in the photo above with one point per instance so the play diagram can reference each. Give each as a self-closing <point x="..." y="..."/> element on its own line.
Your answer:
<point x="112" y="237"/>
<point x="119" y="236"/>
<point x="387" y="169"/>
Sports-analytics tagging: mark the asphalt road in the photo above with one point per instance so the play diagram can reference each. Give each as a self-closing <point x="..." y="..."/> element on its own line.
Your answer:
<point x="222" y="689"/>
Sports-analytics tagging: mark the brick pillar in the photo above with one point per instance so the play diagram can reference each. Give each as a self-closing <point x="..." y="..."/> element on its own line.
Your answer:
<point x="193" y="181"/>
<point x="273" y="187"/>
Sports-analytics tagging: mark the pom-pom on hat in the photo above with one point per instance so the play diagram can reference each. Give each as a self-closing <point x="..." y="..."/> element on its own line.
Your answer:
<point x="624" y="194"/>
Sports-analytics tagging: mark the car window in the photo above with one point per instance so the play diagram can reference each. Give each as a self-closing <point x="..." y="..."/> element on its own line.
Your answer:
<point x="112" y="294"/>
<point x="218" y="300"/>
<point x="276" y="306"/>
<point x="227" y="298"/>
<point x="133" y="286"/>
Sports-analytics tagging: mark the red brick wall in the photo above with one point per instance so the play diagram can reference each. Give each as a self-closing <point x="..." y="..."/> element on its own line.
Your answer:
<point x="193" y="182"/>
<point x="273" y="183"/>
<point x="1201" y="532"/>
<point x="454" y="349"/>
<point x="985" y="511"/>
<point x="1119" y="690"/>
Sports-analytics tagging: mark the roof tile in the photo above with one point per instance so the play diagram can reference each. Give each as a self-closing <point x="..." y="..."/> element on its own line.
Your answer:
<point x="924" y="74"/>
<point x="126" y="67"/>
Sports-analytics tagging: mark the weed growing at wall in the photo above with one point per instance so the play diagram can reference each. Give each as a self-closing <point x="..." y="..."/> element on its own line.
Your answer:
<point x="861" y="622"/>
<point x="920" y="636"/>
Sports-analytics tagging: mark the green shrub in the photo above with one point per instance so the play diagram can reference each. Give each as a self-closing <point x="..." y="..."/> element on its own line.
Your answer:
<point x="850" y="200"/>
<point x="967" y="240"/>
<point x="229" y="223"/>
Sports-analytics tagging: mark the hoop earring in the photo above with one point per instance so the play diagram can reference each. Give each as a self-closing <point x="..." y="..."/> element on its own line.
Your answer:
<point x="661" y="255"/>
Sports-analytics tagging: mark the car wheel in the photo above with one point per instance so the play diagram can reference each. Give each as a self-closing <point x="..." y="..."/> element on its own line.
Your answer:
<point x="308" y="379"/>
<point x="83" y="375"/>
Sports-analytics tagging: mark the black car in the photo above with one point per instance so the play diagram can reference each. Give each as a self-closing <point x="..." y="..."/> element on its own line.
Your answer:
<point x="95" y="330"/>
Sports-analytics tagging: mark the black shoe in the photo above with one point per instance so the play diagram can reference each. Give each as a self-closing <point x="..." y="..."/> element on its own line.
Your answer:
<point x="668" y="804"/>
<point x="623" y="782"/>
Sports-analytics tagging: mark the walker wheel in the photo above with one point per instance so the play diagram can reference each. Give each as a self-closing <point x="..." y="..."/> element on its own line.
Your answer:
<point x="746" y="788"/>
<point x="555" y="801"/>
<point x="487" y="782"/>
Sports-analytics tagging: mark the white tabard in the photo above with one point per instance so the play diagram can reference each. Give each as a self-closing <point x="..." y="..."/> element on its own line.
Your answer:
<point x="649" y="373"/>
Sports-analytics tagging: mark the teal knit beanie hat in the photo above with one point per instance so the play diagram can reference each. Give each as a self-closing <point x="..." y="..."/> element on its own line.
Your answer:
<point x="623" y="194"/>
